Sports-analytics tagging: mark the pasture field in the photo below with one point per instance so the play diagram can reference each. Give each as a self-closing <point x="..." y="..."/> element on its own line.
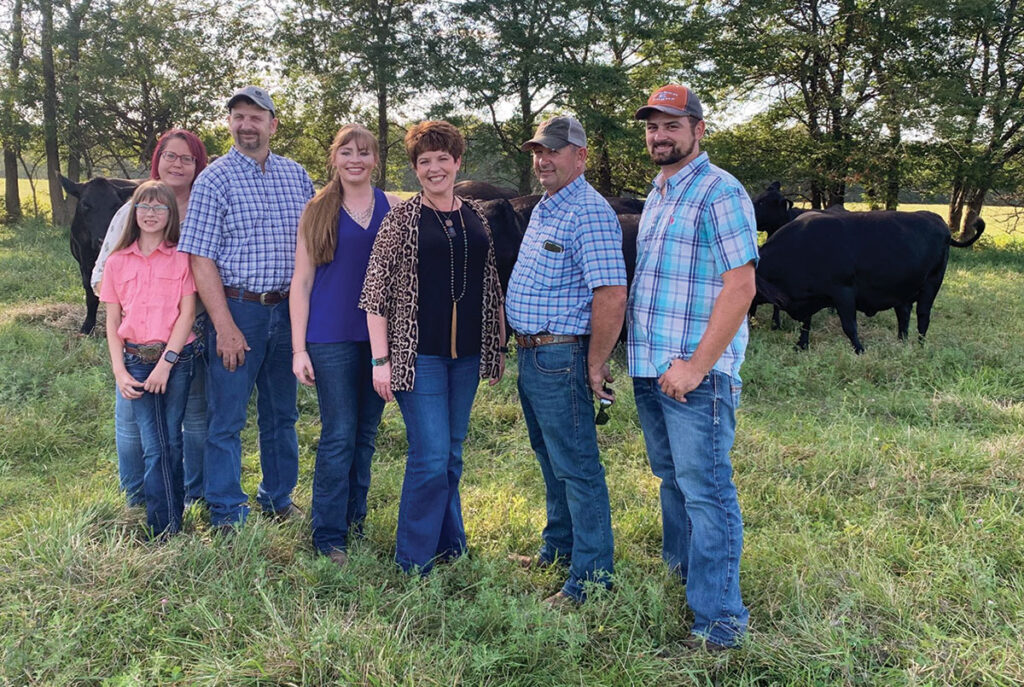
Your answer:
<point x="882" y="496"/>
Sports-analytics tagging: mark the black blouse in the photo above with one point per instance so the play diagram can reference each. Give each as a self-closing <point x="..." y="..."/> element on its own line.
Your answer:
<point x="442" y="260"/>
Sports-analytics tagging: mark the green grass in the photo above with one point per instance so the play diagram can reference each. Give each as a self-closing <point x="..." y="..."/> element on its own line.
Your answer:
<point x="882" y="496"/>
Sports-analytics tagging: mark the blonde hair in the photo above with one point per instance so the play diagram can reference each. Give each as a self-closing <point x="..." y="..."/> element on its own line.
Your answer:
<point x="319" y="220"/>
<point x="149" y="191"/>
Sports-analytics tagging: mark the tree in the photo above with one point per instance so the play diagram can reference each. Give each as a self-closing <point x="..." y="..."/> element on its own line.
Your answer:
<point x="980" y="100"/>
<point x="10" y="123"/>
<point x="375" y="49"/>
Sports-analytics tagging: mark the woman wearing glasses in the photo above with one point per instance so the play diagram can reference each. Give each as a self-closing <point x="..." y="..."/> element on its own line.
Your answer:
<point x="434" y="312"/>
<point x="178" y="159"/>
<point x="330" y="343"/>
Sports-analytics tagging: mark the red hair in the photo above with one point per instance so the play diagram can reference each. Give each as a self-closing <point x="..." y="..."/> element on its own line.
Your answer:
<point x="195" y="146"/>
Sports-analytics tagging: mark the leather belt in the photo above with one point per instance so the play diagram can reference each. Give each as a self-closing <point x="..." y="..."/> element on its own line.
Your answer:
<point x="267" y="298"/>
<point x="534" y="340"/>
<point x="148" y="353"/>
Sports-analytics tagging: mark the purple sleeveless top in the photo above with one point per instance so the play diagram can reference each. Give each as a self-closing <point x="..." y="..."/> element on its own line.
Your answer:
<point x="334" y="315"/>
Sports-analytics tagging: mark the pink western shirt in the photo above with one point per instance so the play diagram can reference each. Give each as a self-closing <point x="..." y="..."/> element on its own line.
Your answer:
<point x="149" y="290"/>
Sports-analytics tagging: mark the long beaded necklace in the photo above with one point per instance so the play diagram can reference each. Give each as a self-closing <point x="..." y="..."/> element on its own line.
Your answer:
<point x="448" y="228"/>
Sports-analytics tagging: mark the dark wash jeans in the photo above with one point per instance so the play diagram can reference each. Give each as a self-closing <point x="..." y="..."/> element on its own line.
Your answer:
<point x="350" y="413"/>
<point x="131" y="465"/>
<point x="559" y="410"/>
<point x="688" y="446"/>
<point x="159" y="418"/>
<point x="268" y="369"/>
<point x="436" y="414"/>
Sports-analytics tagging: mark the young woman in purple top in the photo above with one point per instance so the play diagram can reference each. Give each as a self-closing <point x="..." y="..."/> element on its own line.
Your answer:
<point x="330" y="342"/>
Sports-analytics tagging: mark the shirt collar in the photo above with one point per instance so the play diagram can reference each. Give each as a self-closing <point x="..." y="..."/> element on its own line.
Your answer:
<point x="694" y="167"/>
<point x="563" y="194"/>
<point x="164" y="248"/>
<point x="241" y="158"/>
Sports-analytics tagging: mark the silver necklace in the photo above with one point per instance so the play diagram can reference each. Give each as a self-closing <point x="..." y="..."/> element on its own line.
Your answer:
<point x="362" y="218"/>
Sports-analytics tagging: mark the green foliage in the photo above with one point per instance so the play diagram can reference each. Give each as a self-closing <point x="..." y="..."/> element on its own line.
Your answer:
<point x="881" y="498"/>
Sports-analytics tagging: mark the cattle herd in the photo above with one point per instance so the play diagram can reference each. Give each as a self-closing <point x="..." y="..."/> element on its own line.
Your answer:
<point x="851" y="261"/>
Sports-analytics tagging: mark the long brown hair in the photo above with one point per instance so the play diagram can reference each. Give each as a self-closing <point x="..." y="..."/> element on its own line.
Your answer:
<point x="149" y="191"/>
<point x="320" y="218"/>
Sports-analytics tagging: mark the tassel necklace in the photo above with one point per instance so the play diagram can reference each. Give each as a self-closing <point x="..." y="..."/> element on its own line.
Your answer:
<point x="448" y="227"/>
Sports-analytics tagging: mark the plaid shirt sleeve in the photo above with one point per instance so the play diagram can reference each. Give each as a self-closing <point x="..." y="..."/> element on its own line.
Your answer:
<point x="731" y="230"/>
<point x="598" y="247"/>
<point x="202" y="230"/>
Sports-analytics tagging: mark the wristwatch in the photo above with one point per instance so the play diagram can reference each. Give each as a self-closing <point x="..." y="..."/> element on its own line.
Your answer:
<point x="380" y="362"/>
<point x="171" y="357"/>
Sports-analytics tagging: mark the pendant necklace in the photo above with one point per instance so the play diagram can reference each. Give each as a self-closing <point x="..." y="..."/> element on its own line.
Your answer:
<point x="448" y="227"/>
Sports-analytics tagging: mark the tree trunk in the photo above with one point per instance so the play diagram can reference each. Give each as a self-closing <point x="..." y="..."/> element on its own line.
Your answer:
<point x="11" y="144"/>
<point x="975" y="201"/>
<point x="956" y="203"/>
<point x="382" y="134"/>
<point x="57" y="206"/>
<point x="604" y="165"/>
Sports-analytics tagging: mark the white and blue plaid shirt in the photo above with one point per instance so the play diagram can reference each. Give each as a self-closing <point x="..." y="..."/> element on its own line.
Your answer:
<point x="696" y="225"/>
<point x="572" y="246"/>
<point x="245" y="219"/>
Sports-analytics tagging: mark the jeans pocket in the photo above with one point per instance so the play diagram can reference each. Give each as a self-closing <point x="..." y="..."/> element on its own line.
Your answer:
<point x="553" y="358"/>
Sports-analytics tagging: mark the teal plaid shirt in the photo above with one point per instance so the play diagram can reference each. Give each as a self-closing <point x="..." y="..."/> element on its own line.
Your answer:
<point x="700" y="227"/>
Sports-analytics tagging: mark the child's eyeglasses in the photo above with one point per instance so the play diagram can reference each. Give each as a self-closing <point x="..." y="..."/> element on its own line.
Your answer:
<point x="157" y="209"/>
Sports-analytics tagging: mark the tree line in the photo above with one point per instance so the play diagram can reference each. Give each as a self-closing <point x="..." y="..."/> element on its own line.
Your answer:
<point x="885" y="99"/>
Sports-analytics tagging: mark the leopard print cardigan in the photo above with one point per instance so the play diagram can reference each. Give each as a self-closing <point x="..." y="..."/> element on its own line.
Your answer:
<point x="391" y="290"/>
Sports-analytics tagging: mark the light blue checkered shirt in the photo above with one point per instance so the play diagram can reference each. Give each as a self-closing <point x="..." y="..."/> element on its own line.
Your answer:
<point x="245" y="219"/>
<point x="572" y="246"/>
<point x="702" y="227"/>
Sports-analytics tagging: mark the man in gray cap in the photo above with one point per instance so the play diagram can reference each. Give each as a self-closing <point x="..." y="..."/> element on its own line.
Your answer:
<point x="694" y="281"/>
<point x="566" y="300"/>
<point x="240" y="229"/>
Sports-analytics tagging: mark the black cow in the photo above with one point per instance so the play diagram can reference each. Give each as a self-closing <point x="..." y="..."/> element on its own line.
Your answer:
<point x="772" y="210"/>
<point x="481" y="190"/>
<point x="98" y="200"/>
<point x="866" y="261"/>
<point x="507" y="230"/>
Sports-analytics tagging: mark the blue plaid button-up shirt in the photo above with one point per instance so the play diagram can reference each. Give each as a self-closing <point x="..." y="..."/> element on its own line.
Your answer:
<point x="696" y="225"/>
<point x="245" y="219"/>
<point x="572" y="246"/>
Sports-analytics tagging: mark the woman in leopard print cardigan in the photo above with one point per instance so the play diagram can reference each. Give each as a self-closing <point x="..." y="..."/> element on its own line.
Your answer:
<point x="436" y="321"/>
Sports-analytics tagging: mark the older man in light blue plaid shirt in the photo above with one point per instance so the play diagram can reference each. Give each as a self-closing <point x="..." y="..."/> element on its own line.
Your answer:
<point x="566" y="300"/>
<point x="240" y="229"/>
<point x="694" y="281"/>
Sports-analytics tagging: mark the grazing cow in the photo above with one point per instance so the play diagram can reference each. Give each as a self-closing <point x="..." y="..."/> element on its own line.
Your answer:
<point x="866" y="261"/>
<point x="623" y="206"/>
<point x="481" y="190"/>
<point x="98" y="200"/>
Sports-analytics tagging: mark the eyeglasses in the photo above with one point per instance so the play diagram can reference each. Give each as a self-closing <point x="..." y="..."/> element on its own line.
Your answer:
<point x="157" y="209"/>
<point x="171" y="157"/>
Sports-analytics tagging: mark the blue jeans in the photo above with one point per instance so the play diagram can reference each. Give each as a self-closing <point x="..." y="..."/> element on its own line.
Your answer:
<point x="159" y="418"/>
<point x="436" y="414"/>
<point x="688" y="446"/>
<point x="559" y="411"/>
<point x="268" y="368"/>
<point x="131" y="466"/>
<point x="350" y="412"/>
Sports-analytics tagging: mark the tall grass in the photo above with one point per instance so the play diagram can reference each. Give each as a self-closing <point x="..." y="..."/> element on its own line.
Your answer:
<point x="881" y="495"/>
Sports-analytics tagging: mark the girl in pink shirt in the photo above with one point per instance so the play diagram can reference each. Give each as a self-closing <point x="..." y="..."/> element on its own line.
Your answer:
<point x="150" y="293"/>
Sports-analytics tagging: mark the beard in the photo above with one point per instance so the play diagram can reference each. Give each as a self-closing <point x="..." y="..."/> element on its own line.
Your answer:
<point x="664" y="158"/>
<point x="249" y="143"/>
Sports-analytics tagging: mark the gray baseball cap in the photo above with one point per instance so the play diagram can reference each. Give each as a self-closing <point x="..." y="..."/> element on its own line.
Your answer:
<point x="256" y="95"/>
<point x="558" y="132"/>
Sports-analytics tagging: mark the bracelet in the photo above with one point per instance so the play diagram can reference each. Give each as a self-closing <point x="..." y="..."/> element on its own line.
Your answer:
<point x="297" y="352"/>
<point x="503" y="349"/>
<point x="380" y="362"/>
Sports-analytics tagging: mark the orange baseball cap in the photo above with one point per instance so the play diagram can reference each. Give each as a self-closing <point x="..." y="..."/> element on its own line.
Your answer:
<point x="674" y="100"/>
